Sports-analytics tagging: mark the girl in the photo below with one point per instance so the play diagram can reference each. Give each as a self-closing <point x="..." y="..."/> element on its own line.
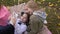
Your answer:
<point x="20" y="26"/>
<point x="5" y="27"/>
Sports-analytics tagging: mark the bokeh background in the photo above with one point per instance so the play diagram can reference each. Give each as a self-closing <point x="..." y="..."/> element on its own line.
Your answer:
<point x="52" y="8"/>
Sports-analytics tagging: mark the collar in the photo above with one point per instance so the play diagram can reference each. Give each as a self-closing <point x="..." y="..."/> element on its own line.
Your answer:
<point x="42" y="14"/>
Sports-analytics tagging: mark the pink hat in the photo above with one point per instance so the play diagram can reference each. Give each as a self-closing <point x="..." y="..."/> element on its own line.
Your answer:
<point x="4" y="14"/>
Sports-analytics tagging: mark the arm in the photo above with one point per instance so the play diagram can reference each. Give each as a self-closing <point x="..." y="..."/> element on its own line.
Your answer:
<point x="34" y="21"/>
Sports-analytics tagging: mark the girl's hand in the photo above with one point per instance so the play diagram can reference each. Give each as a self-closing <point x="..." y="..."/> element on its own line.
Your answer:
<point x="13" y="20"/>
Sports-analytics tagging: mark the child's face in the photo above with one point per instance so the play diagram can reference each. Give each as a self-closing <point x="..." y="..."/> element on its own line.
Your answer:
<point x="28" y="10"/>
<point x="24" y="17"/>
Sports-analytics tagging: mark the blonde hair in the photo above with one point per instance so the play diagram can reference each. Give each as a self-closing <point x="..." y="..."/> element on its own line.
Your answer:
<point x="33" y="5"/>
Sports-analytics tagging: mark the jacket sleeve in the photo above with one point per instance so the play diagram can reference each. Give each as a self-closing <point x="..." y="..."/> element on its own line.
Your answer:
<point x="35" y="24"/>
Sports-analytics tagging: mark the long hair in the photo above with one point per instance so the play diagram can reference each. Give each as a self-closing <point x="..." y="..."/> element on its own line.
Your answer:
<point x="28" y="19"/>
